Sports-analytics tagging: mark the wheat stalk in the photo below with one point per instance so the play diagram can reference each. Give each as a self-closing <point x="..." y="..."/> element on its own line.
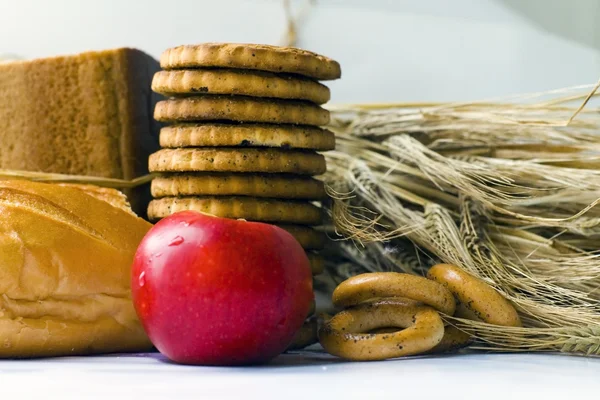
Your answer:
<point x="584" y="339"/>
<point x="83" y="179"/>
<point x="508" y="192"/>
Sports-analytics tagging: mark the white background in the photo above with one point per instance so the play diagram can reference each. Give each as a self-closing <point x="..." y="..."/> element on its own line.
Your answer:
<point x="307" y="376"/>
<point x="390" y="51"/>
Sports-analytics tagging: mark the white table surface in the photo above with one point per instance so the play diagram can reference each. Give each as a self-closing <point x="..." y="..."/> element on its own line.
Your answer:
<point x="306" y="375"/>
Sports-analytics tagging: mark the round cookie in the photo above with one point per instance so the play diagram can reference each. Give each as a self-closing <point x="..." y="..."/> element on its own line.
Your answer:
<point x="249" y="208"/>
<point x="237" y="160"/>
<point x="317" y="263"/>
<point x="241" y="109"/>
<point x="251" y="56"/>
<point x="247" y="135"/>
<point x="239" y="82"/>
<point x="309" y="238"/>
<point x="253" y="185"/>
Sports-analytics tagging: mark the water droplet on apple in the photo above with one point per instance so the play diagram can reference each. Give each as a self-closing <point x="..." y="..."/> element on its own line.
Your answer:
<point x="142" y="279"/>
<point x="157" y="255"/>
<point x="177" y="240"/>
<point x="185" y="223"/>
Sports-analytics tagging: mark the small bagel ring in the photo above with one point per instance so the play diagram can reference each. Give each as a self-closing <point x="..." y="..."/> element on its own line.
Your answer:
<point x="306" y="336"/>
<point x="476" y="295"/>
<point x="372" y="285"/>
<point x="343" y="334"/>
<point x="453" y="339"/>
<point x="465" y="313"/>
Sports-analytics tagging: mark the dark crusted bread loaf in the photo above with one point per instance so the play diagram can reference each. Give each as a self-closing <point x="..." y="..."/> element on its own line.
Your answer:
<point x="85" y="114"/>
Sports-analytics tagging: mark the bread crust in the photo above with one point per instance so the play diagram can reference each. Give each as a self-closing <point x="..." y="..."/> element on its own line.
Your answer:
<point x="91" y="114"/>
<point x="65" y="259"/>
<point x="84" y="114"/>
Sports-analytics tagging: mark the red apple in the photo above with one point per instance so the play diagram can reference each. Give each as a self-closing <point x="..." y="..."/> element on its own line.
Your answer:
<point x="216" y="291"/>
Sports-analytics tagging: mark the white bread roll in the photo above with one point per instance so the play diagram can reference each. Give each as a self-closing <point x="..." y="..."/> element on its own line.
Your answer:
<point x="65" y="262"/>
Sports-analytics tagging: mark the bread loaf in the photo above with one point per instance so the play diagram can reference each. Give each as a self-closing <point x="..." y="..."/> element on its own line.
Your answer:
<point x="65" y="261"/>
<point x="86" y="114"/>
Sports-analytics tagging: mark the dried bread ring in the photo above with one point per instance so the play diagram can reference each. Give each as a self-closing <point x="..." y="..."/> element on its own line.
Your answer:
<point x="392" y="329"/>
<point x="373" y="285"/>
<point x="306" y="336"/>
<point x="453" y="339"/>
<point x="344" y="334"/>
<point x="465" y="313"/>
<point x="476" y="295"/>
<point x="386" y="329"/>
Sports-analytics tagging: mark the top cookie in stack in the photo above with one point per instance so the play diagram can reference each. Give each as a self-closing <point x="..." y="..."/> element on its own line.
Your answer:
<point x="244" y="135"/>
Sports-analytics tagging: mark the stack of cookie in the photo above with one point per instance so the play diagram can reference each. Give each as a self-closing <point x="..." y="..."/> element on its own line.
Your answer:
<point x="244" y="136"/>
